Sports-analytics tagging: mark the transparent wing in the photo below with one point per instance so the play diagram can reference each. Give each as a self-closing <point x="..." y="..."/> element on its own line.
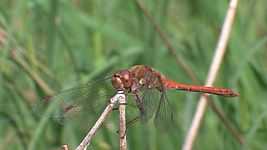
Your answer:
<point x="164" y="119"/>
<point x="150" y="99"/>
<point x="155" y="105"/>
<point x="81" y="102"/>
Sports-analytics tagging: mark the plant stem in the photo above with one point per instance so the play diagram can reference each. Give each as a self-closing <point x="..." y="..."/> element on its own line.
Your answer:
<point x="214" y="68"/>
<point x="122" y="130"/>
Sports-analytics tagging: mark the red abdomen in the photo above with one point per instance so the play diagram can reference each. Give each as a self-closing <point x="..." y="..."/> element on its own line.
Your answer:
<point x="169" y="84"/>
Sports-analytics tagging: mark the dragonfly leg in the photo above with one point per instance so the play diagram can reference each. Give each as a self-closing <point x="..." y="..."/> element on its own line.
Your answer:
<point x="117" y="108"/>
<point x="139" y="103"/>
<point x="123" y="104"/>
<point x="130" y="123"/>
<point x="123" y="135"/>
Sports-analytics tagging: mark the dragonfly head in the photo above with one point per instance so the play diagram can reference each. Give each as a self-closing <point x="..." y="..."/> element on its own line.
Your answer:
<point x="122" y="80"/>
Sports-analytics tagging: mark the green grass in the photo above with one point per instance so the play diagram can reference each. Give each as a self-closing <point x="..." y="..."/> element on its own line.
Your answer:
<point x="65" y="43"/>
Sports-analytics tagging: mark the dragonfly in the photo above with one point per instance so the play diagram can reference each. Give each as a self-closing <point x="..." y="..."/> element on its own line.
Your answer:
<point x="144" y="86"/>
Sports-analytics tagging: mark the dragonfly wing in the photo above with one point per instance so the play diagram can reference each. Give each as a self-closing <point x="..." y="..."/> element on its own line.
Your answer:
<point x="81" y="100"/>
<point x="149" y="100"/>
<point x="164" y="113"/>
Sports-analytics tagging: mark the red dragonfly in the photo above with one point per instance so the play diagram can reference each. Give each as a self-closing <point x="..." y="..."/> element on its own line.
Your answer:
<point x="146" y="86"/>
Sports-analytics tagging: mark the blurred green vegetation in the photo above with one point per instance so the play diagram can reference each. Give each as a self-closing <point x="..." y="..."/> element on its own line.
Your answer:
<point x="47" y="46"/>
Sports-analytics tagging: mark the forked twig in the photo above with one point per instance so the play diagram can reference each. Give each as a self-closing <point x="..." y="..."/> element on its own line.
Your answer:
<point x="122" y="130"/>
<point x="217" y="59"/>
<point x="87" y="139"/>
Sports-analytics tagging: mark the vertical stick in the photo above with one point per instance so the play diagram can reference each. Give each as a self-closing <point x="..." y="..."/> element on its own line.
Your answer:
<point x="215" y="65"/>
<point x="87" y="139"/>
<point x="122" y="130"/>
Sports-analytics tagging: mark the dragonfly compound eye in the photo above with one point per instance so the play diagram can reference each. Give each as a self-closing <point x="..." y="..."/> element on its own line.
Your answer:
<point x="117" y="82"/>
<point x="127" y="80"/>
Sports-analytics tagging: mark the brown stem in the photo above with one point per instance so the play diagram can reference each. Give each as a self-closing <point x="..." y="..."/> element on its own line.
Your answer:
<point x="166" y="42"/>
<point x="20" y="62"/>
<point x="227" y="123"/>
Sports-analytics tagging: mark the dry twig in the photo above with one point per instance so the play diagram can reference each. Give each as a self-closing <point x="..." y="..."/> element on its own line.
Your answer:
<point x="122" y="130"/>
